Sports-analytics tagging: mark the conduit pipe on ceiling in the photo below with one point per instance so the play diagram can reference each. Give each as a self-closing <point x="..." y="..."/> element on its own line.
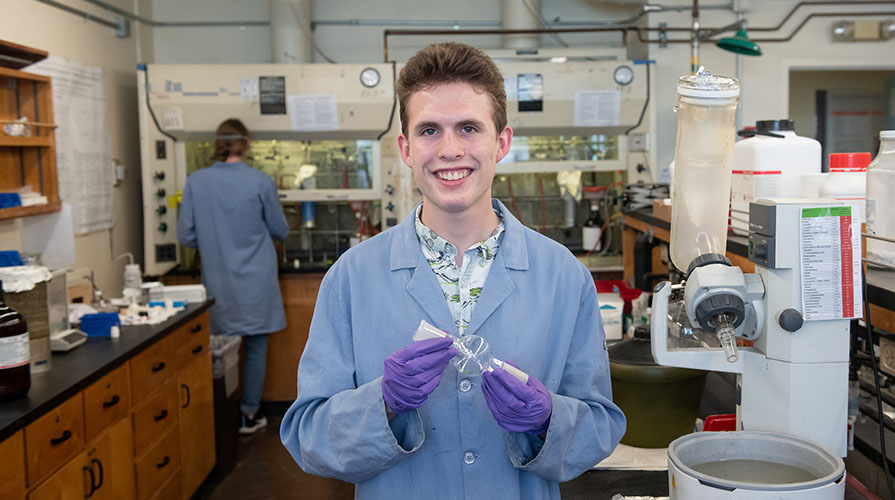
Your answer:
<point x="519" y="18"/>
<point x="290" y="31"/>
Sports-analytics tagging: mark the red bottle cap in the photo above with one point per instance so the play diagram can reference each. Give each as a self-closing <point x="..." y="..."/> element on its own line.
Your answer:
<point x="849" y="162"/>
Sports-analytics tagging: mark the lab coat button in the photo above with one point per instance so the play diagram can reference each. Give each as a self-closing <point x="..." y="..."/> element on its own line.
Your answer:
<point x="469" y="457"/>
<point x="465" y="385"/>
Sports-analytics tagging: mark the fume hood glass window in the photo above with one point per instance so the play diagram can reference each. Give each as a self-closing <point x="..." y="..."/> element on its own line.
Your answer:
<point x="301" y="164"/>
<point x="562" y="148"/>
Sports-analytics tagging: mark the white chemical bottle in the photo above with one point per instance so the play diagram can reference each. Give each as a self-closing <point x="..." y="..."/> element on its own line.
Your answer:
<point x="847" y="181"/>
<point x="770" y="164"/>
<point x="880" y="186"/>
<point x="703" y="159"/>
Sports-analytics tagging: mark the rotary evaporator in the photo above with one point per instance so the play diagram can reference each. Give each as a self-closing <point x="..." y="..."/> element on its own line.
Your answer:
<point x="792" y="381"/>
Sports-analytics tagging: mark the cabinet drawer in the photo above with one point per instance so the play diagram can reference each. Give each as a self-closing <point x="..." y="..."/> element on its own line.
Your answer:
<point x="154" y="416"/>
<point x="159" y="463"/>
<point x="106" y="401"/>
<point x="172" y="490"/>
<point x="12" y="474"/>
<point x="54" y="438"/>
<point x="192" y="340"/>
<point x="152" y="368"/>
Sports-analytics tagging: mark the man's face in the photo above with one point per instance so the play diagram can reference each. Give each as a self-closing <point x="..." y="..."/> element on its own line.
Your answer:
<point x="453" y="148"/>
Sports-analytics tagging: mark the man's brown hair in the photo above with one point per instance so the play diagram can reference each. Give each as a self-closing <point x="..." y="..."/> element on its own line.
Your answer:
<point x="452" y="62"/>
<point x="230" y="139"/>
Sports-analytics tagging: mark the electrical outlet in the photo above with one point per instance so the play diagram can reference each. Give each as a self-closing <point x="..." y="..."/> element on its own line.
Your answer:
<point x="887" y="355"/>
<point x="638" y="142"/>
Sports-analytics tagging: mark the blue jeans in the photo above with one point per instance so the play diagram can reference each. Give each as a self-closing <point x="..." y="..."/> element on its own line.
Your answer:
<point x="253" y="374"/>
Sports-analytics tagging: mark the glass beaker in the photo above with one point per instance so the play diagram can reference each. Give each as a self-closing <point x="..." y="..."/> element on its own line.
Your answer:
<point x="703" y="159"/>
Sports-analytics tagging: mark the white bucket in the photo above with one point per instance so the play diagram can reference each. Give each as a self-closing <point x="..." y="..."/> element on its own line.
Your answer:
<point x="707" y="466"/>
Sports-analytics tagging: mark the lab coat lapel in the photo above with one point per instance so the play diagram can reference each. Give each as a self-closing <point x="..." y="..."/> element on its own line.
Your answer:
<point x="425" y="290"/>
<point x="423" y="287"/>
<point x="512" y="254"/>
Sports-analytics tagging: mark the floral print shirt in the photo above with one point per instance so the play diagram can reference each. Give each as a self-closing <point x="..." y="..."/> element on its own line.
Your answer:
<point x="462" y="285"/>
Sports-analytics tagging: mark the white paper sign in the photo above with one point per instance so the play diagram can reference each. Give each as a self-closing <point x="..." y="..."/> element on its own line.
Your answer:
<point x="597" y="108"/>
<point x="248" y="89"/>
<point x="82" y="141"/>
<point x="831" y="263"/>
<point x="52" y="236"/>
<point x="509" y="86"/>
<point x="172" y="118"/>
<point x="313" y="112"/>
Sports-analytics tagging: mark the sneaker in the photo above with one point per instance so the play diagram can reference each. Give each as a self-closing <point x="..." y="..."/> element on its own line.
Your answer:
<point x="253" y="424"/>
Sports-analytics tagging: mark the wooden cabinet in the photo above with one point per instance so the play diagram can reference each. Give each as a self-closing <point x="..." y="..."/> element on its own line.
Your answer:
<point x="54" y="438"/>
<point x="105" y="401"/>
<point x="106" y="443"/>
<point x="27" y="99"/>
<point x="71" y="482"/>
<point x="153" y="367"/>
<point x="110" y="461"/>
<point x="12" y="474"/>
<point x="284" y="348"/>
<point x="196" y="420"/>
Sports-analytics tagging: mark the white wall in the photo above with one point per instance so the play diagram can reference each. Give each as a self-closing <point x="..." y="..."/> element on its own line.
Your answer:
<point x="34" y="24"/>
<point x="765" y="79"/>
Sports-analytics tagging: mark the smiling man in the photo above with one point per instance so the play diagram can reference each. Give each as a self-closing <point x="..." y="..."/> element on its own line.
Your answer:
<point x="392" y="415"/>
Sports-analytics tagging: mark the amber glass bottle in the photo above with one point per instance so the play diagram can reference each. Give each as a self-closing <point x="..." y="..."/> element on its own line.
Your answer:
<point x="15" y="355"/>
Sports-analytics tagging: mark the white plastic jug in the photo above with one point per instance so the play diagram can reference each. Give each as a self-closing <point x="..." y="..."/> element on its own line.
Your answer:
<point x="770" y="164"/>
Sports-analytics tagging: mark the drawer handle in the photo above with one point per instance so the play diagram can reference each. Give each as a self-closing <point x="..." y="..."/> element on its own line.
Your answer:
<point x="61" y="439"/>
<point x="99" y="466"/>
<point x="197" y="349"/>
<point x="165" y="461"/>
<point x="112" y="402"/>
<point x="161" y="416"/>
<point x="196" y="329"/>
<point x="159" y="367"/>
<point x="187" y="389"/>
<point x="89" y="470"/>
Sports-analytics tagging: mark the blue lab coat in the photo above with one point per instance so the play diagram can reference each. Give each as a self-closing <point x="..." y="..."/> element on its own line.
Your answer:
<point x="230" y="212"/>
<point x="538" y="308"/>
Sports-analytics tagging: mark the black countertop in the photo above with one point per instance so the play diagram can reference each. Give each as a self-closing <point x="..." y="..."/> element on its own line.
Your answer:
<point x="74" y="370"/>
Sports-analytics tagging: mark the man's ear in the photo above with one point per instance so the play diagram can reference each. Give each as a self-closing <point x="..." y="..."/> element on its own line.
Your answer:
<point x="504" y="139"/>
<point x="404" y="149"/>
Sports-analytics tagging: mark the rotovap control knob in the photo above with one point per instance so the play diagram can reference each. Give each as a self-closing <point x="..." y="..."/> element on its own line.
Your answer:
<point x="790" y="320"/>
<point x="160" y="175"/>
<point x="161" y="210"/>
<point x="160" y="193"/>
<point x="163" y="227"/>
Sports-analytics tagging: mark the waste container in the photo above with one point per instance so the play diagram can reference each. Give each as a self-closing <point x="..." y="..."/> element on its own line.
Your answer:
<point x="225" y="371"/>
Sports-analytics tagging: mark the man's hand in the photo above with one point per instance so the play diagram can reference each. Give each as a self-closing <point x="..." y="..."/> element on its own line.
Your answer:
<point x="517" y="407"/>
<point x="412" y="373"/>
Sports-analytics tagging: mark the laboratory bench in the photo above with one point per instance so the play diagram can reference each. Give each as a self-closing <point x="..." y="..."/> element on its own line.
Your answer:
<point x="130" y="417"/>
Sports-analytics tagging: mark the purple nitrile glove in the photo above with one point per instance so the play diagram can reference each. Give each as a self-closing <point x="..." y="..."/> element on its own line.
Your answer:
<point x="517" y="407"/>
<point x="412" y="373"/>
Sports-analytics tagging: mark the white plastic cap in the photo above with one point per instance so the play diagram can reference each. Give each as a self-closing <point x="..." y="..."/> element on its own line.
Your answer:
<point x="887" y="134"/>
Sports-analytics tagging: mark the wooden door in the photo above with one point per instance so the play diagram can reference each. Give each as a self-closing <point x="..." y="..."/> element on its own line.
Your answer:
<point x="196" y="422"/>
<point x="12" y="474"/>
<point x="112" y="461"/>
<point x="71" y="482"/>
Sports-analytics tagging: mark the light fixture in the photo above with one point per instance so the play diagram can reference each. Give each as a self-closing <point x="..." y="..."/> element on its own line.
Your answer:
<point x="739" y="44"/>
<point x="559" y="59"/>
<point x="845" y="30"/>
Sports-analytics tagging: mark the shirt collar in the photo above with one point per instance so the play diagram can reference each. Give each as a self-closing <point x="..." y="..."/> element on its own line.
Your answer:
<point x="437" y="245"/>
<point x="406" y="251"/>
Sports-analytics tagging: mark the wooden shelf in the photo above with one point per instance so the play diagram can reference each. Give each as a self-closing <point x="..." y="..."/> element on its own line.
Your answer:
<point x="27" y="98"/>
<point x="14" y="212"/>
<point x="42" y="141"/>
<point x="13" y="55"/>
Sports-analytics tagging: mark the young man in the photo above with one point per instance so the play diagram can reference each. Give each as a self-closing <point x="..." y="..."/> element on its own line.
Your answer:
<point x="391" y="415"/>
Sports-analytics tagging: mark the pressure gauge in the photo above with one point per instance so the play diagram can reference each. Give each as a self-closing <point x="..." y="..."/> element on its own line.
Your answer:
<point x="624" y="75"/>
<point x="369" y="77"/>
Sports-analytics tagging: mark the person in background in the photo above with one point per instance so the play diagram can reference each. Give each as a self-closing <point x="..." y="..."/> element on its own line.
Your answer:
<point x="391" y="415"/>
<point x="232" y="214"/>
